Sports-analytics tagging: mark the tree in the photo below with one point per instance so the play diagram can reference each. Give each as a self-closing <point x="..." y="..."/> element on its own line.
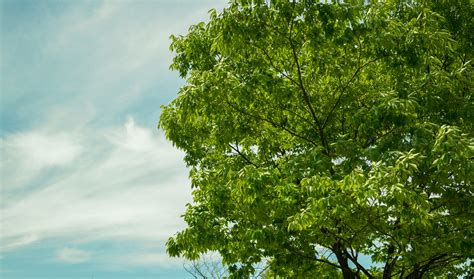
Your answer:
<point x="208" y="267"/>
<point x="205" y="268"/>
<point x="319" y="134"/>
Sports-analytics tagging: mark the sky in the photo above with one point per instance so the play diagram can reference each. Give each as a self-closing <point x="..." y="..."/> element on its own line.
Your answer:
<point x="90" y="188"/>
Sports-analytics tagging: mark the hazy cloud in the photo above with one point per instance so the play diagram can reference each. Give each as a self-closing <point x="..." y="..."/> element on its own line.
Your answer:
<point x="72" y="255"/>
<point x="25" y="155"/>
<point x="129" y="183"/>
<point x="74" y="170"/>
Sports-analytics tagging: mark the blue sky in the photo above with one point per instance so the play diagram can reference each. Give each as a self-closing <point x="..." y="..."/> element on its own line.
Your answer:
<point x="89" y="187"/>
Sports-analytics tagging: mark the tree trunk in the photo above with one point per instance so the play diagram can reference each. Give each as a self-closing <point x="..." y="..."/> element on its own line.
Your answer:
<point x="347" y="272"/>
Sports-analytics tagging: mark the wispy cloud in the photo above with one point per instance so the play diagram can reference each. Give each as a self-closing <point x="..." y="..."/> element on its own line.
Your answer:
<point x="128" y="183"/>
<point x="72" y="255"/>
<point x="18" y="242"/>
<point x="25" y="155"/>
<point x="73" y="169"/>
<point x="94" y="55"/>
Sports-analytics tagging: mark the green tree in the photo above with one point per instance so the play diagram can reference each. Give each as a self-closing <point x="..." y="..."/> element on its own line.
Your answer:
<point x="319" y="134"/>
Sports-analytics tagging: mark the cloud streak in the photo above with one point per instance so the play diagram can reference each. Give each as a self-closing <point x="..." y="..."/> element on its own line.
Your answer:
<point x="127" y="184"/>
<point x="74" y="170"/>
<point x="72" y="255"/>
<point x="92" y="55"/>
<point x="25" y="155"/>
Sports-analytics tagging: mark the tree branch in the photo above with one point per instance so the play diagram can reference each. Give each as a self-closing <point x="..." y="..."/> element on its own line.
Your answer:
<point x="360" y="68"/>
<point x="370" y="142"/>
<point x="272" y="123"/>
<point x="347" y="272"/>
<point x="236" y="149"/>
<point x="359" y="266"/>
<point x="293" y="250"/>
<point x="306" y="97"/>
<point x="300" y="78"/>
<point x="281" y="72"/>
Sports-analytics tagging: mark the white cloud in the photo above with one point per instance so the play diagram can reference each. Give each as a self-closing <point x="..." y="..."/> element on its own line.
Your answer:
<point x="71" y="179"/>
<point x="121" y="45"/>
<point x="128" y="184"/>
<point x="132" y="137"/>
<point x="17" y="241"/>
<point x="43" y="150"/>
<point x="72" y="255"/>
<point x="25" y="155"/>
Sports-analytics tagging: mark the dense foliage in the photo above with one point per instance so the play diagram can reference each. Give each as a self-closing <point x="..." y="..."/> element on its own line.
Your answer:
<point x="328" y="140"/>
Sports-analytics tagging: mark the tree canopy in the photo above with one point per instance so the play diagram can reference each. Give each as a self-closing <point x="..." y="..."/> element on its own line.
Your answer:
<point x="322" y="134"/>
